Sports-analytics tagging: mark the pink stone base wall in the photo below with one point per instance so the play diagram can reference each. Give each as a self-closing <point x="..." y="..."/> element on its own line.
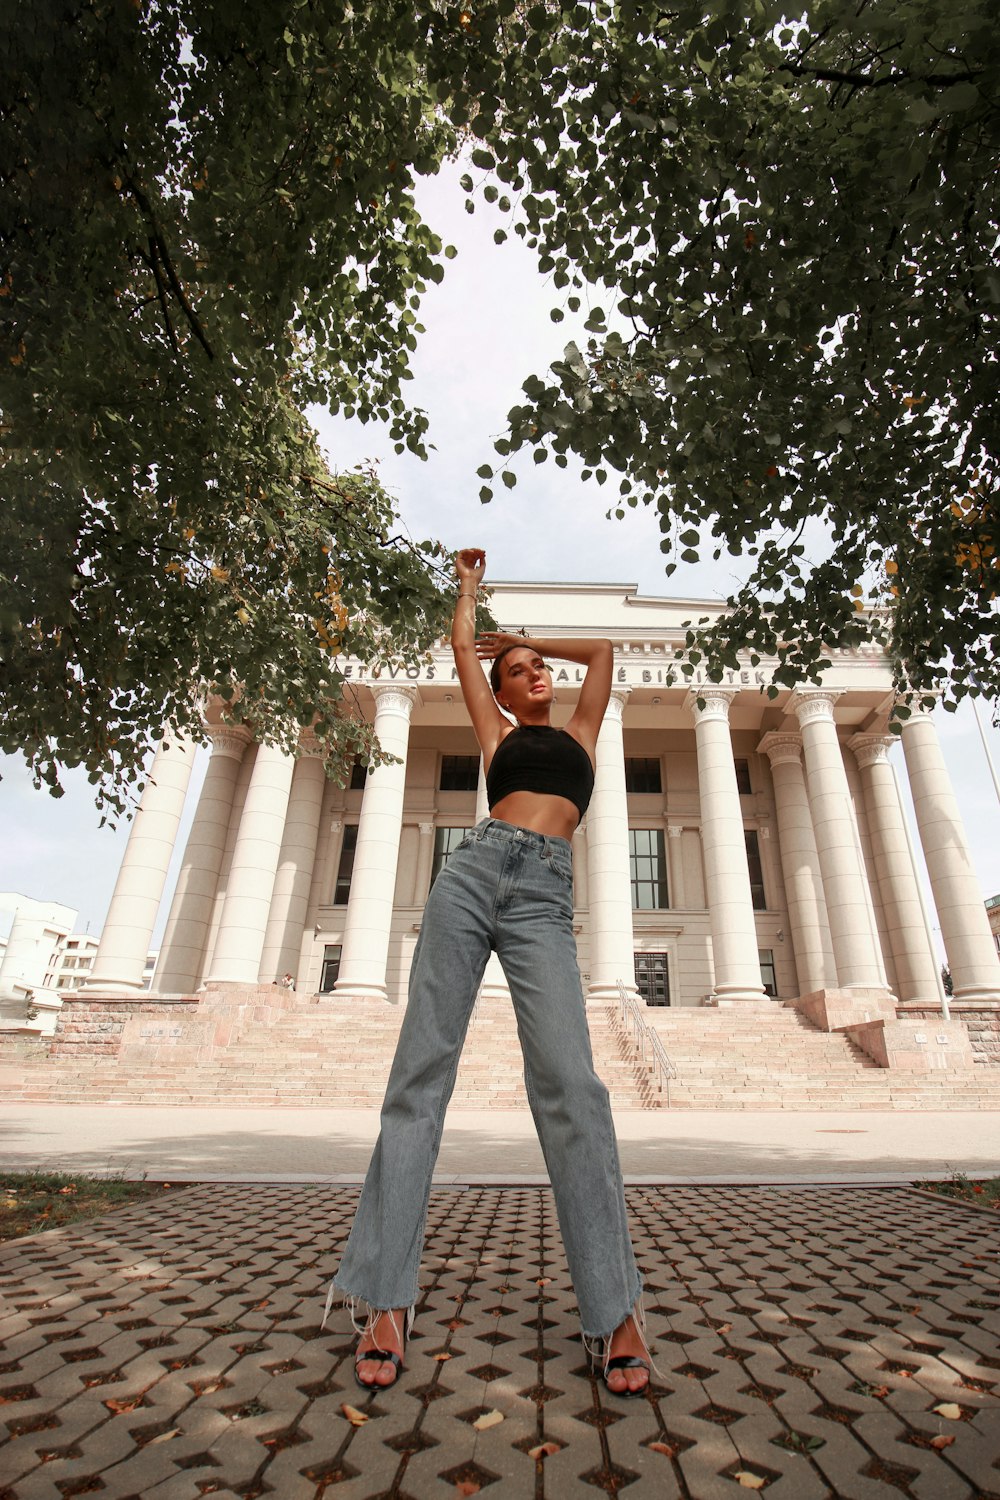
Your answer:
<point x="91" y="1026"/>
<point x="982" y="1022"/>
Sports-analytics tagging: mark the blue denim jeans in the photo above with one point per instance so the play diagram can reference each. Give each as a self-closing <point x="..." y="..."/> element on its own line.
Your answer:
<point x="508" y="889"/>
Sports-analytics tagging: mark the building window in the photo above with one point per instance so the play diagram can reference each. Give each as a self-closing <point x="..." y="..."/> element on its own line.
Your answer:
<point x="642" y="773"/>
<point x="331" y="968"/>
<point x="743" y="778"/>
<point x="648" y="865"/>
<point x="755" y="870"/>
<point x="359" y="775"/>
<point x="651" y="978"/>
<point x="345" y="870"/>
<point x="767" y="974"/>
<point x="459" y="773"/>
<point x="446" y="841"/>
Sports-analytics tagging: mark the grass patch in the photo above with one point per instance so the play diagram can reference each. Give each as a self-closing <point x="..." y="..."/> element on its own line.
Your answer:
<point x="985" y="1192"/>
<point x="33" y="1201"/>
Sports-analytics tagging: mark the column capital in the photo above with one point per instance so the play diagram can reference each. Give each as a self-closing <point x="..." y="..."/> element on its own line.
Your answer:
<point x="309" y="747"/>
<point x="811" y="704"/>
<point x="228" y="739"/>
<point x="616" y="704"/>
<point x="394" y="698"/>
<point x="674" y="830"/>
<point x="921" y="706"/>
<point x="710" y="703"/>
<point x="425" y="829"/>
<point x="872" y="749"/>
<point x="780" y="748"/>
<point x="336" y="825"/>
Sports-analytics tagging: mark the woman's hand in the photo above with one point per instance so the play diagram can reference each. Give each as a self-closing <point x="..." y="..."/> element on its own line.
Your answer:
<point x="471" y="564"/>
<point x="492" y="642"/>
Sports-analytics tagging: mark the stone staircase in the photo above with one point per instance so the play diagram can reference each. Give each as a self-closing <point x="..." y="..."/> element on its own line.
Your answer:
<point x="259" y="1047"/>
<point x="331" y="1051"/>
<point x="773" y="1058"/>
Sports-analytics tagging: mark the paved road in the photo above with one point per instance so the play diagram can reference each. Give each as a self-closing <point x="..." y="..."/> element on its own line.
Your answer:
<point x="814" y="1343"/>
<point x="329" y="1145"/>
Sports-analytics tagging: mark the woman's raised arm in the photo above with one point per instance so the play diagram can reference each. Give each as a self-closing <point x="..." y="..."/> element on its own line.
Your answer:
<point x="487" y="720"/>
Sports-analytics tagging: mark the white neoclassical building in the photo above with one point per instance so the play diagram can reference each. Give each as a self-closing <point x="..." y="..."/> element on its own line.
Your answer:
<point x="738" y="847"/>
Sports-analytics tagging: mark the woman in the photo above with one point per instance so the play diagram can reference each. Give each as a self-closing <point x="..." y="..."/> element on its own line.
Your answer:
<point x="509" y="887"/>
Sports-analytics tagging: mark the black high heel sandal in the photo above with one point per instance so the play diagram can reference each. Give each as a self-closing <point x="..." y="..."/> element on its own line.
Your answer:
<point x="384" y="1356"/>
<point x="626" y="1362"/>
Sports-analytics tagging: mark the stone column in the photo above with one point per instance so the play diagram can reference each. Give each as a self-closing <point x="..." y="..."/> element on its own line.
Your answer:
<point x="494" y="982"/>
<point x="965" y="927"/>
<point x="293" y="877"/>
<point x="848" y="906"/>
<point x="608" y="877"/>
<point x="909" y="940"/>
<point x="807" y="920"/>
<point x="182" y="952"/>
<point x="675" y="866"/>
<point x="369" y="908"/>
<point x="482" y="800"/>
<point x="128" y="928"/>
<point x="727" y="878"/>
<point x="581" y="887"/>
<point x="425" y="863"/>
<point x="240" y="939"/>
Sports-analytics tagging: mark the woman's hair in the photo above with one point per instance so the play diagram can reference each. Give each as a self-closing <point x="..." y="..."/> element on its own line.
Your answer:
<point x="495" y="668"/>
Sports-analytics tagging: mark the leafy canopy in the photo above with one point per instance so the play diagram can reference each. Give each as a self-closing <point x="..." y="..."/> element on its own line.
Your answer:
<point x="789" y="221"/>
<point x="208" y="222"/>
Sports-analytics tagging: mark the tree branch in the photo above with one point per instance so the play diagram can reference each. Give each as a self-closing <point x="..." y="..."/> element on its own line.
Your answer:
<point x="161" y="290"/>
<point x="159" y="251"/>
<point x="867" y="81"/>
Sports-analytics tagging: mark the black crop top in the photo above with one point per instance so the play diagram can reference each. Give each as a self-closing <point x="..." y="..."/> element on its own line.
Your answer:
<point x="539" y="758"/>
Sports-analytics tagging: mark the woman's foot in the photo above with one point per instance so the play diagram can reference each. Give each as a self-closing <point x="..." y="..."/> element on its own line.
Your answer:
<point x="626" y="1369"/>
<point x="379" y="1357"/>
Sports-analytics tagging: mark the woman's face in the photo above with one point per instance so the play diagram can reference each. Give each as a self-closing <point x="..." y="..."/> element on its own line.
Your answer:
<point x="525" y="683"/>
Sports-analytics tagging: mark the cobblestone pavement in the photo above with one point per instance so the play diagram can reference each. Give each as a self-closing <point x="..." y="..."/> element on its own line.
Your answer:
<point x="811" y="1342"/>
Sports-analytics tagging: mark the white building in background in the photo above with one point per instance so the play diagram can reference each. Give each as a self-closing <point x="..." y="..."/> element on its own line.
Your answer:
<point x="32" y="958"/>
<point x="42" y="960"/>
<point x="993" y="916"/>
<point x="737" y="846"/>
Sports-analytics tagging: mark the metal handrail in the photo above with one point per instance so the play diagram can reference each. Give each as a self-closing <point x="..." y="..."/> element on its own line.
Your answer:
<point x="645" y="1036"/>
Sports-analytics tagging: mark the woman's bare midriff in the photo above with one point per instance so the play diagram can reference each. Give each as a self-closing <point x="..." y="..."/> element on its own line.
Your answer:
<point x="556" y="817"/>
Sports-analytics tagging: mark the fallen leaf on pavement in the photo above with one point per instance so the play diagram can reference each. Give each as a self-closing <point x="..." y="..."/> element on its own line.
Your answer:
<point x="466" y="1487"/>
<point x="164" y="1437"/>
<point x="944" y="1441"/>
<point x="442" y="1357"/>
<point x="544" y="1450"/>
<point x="355" y="1417"/>
<point x="488" y="1419"/>
<point x="950" y="1410"/>
<point x="664" y="1448"/>
<point x="750" y="1481"/>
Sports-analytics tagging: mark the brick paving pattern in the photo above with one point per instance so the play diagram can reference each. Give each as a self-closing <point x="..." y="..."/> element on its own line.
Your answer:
<point x="805" y="1338"/>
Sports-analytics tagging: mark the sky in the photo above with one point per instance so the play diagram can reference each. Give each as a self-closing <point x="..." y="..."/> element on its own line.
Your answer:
<point x="488" y="328"/>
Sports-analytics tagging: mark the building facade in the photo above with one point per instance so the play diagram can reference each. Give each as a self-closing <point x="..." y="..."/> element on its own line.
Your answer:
<point x="738" y="848"/>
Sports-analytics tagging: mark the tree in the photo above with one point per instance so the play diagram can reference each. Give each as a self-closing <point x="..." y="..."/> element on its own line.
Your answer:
<point x="208" y="222"/>
<point x="790" y="219"/>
